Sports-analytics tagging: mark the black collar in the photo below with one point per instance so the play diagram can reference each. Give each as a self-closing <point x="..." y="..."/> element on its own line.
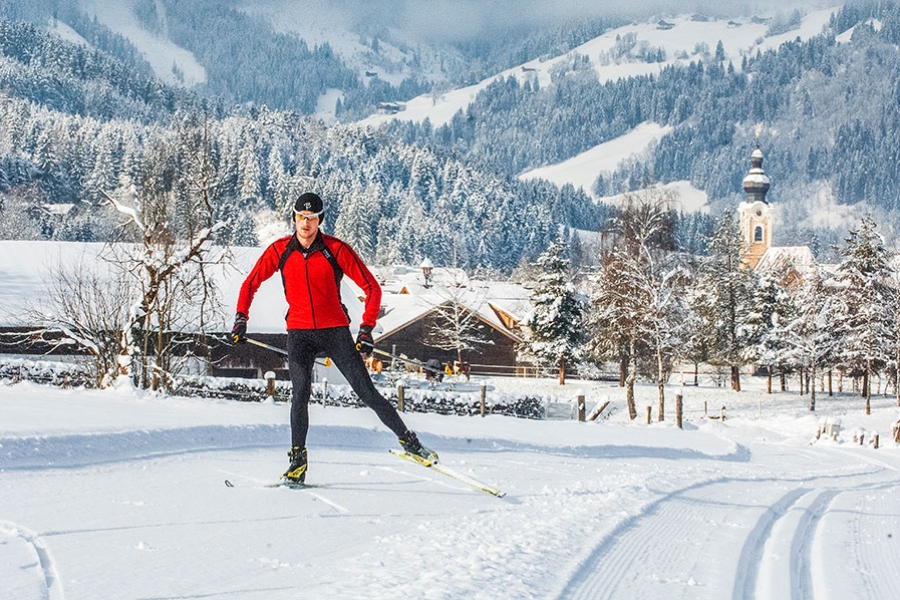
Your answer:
<point x="318" y="244"/>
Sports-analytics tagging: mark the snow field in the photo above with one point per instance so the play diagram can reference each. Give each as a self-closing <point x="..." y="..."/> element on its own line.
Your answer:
<point x="121" y="494"/>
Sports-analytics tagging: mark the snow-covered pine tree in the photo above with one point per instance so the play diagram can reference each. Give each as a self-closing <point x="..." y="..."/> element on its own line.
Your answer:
<point x="807" y="338"/>
<point x="895" y="331"/>
<point x="723" y="298"/>
<point x="554" y="328"/>
<point x="357" y="221"/>
<point x="864" y="320"/>
<point x="772" y="310"/>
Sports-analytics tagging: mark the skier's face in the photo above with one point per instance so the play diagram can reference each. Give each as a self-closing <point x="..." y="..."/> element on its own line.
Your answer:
<point x="307" y="224"/>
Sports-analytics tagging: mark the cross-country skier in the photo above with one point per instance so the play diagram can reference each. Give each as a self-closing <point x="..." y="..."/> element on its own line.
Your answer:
<point x="311" y="265"/>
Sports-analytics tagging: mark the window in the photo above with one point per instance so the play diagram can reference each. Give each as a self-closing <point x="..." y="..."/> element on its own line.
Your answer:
<point x="758" y="234"/>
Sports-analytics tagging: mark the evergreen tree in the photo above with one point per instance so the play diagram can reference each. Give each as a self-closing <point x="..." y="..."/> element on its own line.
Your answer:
<point x="723" y="298"/>
<point x="358" y="219"/>
<point x="771" y="312"/>
<point x="863" y="323"/>
<point x="554" y="329"/>
<point x="808" y="338"/>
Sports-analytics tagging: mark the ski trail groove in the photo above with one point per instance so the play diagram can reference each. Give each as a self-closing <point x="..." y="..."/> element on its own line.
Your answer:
<point x="50" y="582"/>
<point x="747" y="572"/>
<point x="802" y="545"/>
<point x="688" y="521"/>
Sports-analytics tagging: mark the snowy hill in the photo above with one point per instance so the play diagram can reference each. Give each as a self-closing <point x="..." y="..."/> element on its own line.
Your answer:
<point x="683" y="39"/>
<point x="119" y="494"/>
<point x="338" y="24"/>
<point x="413" y="46"/>
<point x="158" y="50"/>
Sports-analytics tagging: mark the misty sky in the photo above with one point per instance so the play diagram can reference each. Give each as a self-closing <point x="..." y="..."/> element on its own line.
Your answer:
<point x="452" y="20"/>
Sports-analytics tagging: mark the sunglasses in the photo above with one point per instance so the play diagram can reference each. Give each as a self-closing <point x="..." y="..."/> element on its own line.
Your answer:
<point x="303" y="217"/>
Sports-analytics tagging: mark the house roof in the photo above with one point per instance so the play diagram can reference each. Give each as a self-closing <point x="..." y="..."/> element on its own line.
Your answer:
<point x="406" y="299"/>
<point x="25" y="266"/>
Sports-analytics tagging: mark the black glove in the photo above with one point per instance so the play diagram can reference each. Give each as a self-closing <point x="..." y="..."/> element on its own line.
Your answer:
<point x="364" y="342"/>
<point x="239" y="331"/>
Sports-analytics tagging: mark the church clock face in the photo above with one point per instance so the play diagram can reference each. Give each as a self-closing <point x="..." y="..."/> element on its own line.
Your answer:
<point x="758" y="212"/>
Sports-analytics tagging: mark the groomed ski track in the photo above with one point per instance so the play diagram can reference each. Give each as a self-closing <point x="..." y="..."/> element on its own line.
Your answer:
<point x="592" y="511"/>
<point x="746" y="538"/>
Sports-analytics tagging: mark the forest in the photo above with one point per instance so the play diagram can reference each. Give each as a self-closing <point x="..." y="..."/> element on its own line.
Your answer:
<point x="84" y="121"/>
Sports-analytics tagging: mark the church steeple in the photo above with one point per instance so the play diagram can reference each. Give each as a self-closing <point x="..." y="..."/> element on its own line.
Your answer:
<point x="755" y="212"/>
<point x="756" y="183"/>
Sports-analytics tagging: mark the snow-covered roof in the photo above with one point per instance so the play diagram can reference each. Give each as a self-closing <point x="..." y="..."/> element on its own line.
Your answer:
<point x="59" y="210"/>
<point x="26" y="266"/>
<point x="406" y="299"/>
<point x="778" y="258"/>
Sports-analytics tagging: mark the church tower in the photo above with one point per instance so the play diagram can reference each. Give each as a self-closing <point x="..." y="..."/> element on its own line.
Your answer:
<point x="755" y="212"/>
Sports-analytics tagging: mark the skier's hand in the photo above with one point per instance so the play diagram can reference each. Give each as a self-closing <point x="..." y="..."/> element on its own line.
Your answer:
<point x="364" y="342"/>
<point x="239" y="331"/>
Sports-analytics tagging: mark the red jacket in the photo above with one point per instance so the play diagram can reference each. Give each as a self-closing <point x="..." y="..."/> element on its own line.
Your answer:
<point x="312" y="295"/>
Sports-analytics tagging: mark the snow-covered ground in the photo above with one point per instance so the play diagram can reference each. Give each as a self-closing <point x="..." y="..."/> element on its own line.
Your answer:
<point x="582" y="170"/>
<point x="158" y="50"/>
<point x="120" y="494"/>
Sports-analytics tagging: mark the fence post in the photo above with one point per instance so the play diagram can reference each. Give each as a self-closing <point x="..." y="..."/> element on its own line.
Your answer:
<point x="723" y="414"/>
<point x="483" y="394"/>
<point x="649" y="410"/>
<point x="400" y="397"/>
<point x="270" y="385"/>
<point x="581" y="407"/>
<point x="678" y="410"/>
<point x="324" y="390"/>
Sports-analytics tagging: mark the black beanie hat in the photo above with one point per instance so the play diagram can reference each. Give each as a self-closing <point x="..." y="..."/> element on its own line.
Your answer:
<point x="308" y="201"/>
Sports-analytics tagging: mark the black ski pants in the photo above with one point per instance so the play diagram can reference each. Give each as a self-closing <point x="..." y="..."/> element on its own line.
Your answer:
<point x="337" y="344"/>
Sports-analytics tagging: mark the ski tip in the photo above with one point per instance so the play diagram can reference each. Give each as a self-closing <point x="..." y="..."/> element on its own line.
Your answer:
<point x="228" y="483"/>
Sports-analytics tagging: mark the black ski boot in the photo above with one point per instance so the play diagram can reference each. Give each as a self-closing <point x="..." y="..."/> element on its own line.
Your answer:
<point x="296" y="473"/>
<point x="410" y="442"/>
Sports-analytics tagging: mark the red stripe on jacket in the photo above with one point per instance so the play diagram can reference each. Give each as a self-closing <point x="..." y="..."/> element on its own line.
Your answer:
<point x="309" y="286"/>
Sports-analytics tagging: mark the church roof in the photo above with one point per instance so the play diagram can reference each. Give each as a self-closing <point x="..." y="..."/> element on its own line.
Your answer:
<point x="780" y="258"/>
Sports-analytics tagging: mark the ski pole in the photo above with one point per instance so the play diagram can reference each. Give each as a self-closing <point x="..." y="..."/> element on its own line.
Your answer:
<point x="400" y="358"/>
<point x="266" y="346"/>
<point x="326" y="362"/>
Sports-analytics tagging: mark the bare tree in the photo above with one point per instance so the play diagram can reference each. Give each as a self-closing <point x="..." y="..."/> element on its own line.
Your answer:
<point x="87" y="306"/>
<point x="457" y="325"/>
<point x="636" y="300"/>
<point x="171" y="218"/>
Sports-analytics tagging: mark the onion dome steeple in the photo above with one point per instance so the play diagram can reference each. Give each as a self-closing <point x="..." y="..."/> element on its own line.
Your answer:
<point x="756" y="183"/>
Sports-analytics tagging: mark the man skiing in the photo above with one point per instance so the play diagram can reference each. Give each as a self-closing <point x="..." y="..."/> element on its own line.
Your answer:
<point x="311" y="265"/>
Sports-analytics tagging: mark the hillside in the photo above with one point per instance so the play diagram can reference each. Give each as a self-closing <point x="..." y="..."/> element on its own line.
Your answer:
<point x="820" y="91"/>
<point x="674" y="99"/>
